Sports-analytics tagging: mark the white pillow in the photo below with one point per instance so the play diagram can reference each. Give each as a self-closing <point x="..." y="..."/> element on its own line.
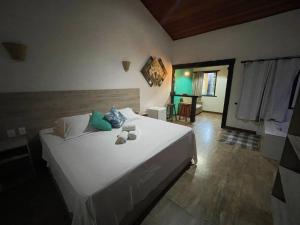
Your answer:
<point x="72" y="126"/>
<point x="128" y="113"/>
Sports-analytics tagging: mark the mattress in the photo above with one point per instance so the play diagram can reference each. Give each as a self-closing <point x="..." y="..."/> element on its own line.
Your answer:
<point x="101" y="182"/>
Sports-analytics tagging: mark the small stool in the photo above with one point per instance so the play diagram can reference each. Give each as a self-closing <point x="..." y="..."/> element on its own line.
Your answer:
<point x="185" y="110"/>
<point x="171" y="112"/>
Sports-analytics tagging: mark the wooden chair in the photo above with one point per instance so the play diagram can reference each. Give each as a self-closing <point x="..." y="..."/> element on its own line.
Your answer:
<point x="185" y="110"/>
<point x="171" y="112"/>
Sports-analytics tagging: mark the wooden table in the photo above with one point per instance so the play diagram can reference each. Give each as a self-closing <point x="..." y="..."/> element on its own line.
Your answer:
<point x="194" y="101"/>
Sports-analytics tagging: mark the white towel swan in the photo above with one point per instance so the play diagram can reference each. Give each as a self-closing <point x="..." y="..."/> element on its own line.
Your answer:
<point x="122" y="138"/>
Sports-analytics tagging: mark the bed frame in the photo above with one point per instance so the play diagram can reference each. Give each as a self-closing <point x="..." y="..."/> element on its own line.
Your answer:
<point x="143" y="208"/>
<point x="38" y="110"/>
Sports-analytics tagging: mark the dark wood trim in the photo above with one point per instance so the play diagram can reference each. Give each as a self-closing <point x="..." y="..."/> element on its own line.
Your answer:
<point x="212" y="112"/>
<point x="216" y="83"/>
<point x="172" y="85"/>
<point x="216" y="73"/>
<point x="222" y="62"/>
<point x="229" y="62"/>
<point x="227" y="92"/>
<point x="209" y="71"/>
<point x="193" y="110"/>
<point x="184" y="95"/>
<point x="209" y="96"/>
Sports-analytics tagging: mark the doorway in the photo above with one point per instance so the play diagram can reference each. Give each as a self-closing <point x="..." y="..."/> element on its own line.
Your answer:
<point x="212" y="91"/>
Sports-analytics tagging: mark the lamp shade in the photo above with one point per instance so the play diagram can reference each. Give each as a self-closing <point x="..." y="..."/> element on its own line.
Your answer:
<point x="15" y="50"/>
<point x="126" y="65"/>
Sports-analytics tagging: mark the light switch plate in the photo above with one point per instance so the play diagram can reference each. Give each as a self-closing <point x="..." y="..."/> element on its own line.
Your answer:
<point x="22" y="130"/>
<point x="11" y="133"/>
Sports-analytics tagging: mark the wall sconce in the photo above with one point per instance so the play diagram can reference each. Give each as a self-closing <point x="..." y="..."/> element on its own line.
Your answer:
<point x="15" y="50"/>
<point x="126" y="65"/>
<point x="187" y="73"/>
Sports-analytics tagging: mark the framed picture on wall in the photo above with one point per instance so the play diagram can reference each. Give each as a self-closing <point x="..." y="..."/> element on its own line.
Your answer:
<point x="154" y="71"/>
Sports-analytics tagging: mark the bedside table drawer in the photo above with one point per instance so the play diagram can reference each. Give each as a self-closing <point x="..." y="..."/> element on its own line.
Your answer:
<point x="157" y="113"/>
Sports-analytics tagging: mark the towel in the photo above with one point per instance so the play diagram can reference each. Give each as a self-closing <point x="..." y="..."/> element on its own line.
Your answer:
<point x="132" y="135"/>
<point x="122" y="138"/>
<point x="128" y="127"/>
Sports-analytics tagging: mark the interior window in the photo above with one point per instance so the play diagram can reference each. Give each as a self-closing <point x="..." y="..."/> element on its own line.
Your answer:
<point x="209" y="83"/>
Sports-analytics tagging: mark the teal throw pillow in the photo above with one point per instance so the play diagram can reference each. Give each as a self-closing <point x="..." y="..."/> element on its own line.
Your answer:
<point x="98" y="122"/>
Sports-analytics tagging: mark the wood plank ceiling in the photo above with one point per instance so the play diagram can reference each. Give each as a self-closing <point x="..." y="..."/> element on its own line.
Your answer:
<point x="185" y="18"/>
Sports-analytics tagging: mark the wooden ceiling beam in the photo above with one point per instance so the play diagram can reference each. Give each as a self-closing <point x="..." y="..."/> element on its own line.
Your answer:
<point x="185" y="18"/>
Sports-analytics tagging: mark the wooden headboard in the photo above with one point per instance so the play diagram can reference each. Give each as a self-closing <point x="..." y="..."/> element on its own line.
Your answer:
<point x="38" y="110"/>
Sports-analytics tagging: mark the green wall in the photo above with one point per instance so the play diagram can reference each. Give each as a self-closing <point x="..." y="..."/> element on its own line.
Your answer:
<point x="183" y="84"/>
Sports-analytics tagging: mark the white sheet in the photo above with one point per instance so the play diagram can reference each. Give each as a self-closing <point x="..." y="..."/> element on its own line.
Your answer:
<point x="101" y="182"/>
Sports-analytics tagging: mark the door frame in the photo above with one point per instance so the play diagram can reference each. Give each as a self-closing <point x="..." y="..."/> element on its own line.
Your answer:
<point x="229" y="62"/>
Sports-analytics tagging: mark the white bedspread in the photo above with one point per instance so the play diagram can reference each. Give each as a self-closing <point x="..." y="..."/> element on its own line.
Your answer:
<point x="101" y="182"/>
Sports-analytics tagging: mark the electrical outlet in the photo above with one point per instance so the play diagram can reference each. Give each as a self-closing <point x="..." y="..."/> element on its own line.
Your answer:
<point x="11" y="133"/>
<point x="22" y="130"/>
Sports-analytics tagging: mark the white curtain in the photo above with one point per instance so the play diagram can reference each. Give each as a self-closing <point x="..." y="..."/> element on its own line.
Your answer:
<point x="255" y="75"/>
<point x="278" y="90"/>
<point x="266" y="89"/>
<point x="197" y="83"/>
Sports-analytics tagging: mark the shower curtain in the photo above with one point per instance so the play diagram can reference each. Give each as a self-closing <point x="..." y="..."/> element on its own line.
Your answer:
<point x="255" y="76"/>
<point x="275" y="102"/>
<point x="197" y="83"/>
<point x="266" y="89"/>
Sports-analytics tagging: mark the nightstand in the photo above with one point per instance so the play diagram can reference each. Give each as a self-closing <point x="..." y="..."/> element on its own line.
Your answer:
<point x="15" y="159"/>
<point x="157" y="113"/>
<point x="142" y="113"/>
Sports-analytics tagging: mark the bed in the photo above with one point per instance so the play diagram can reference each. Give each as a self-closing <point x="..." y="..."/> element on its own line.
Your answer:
<point x="107" y="184"/>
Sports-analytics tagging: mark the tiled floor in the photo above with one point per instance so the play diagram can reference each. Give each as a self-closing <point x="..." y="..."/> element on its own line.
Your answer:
<point x="229" y="186"/>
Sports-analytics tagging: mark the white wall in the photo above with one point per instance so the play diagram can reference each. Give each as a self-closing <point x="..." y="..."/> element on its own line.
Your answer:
<point x="78" y="45"/>
<point x="274" y="36"/>
<point x="216" y="104"/>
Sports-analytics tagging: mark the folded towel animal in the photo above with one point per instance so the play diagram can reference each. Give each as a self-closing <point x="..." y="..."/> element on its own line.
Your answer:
<point x="132" y="135"/>
<point x="128" y="127"/>
<point x="122" y="138"/>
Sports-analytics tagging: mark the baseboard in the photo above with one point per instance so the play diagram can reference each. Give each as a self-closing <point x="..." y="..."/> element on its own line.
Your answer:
<point x="228" y="127"/>
<point x="212" y="112"/>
